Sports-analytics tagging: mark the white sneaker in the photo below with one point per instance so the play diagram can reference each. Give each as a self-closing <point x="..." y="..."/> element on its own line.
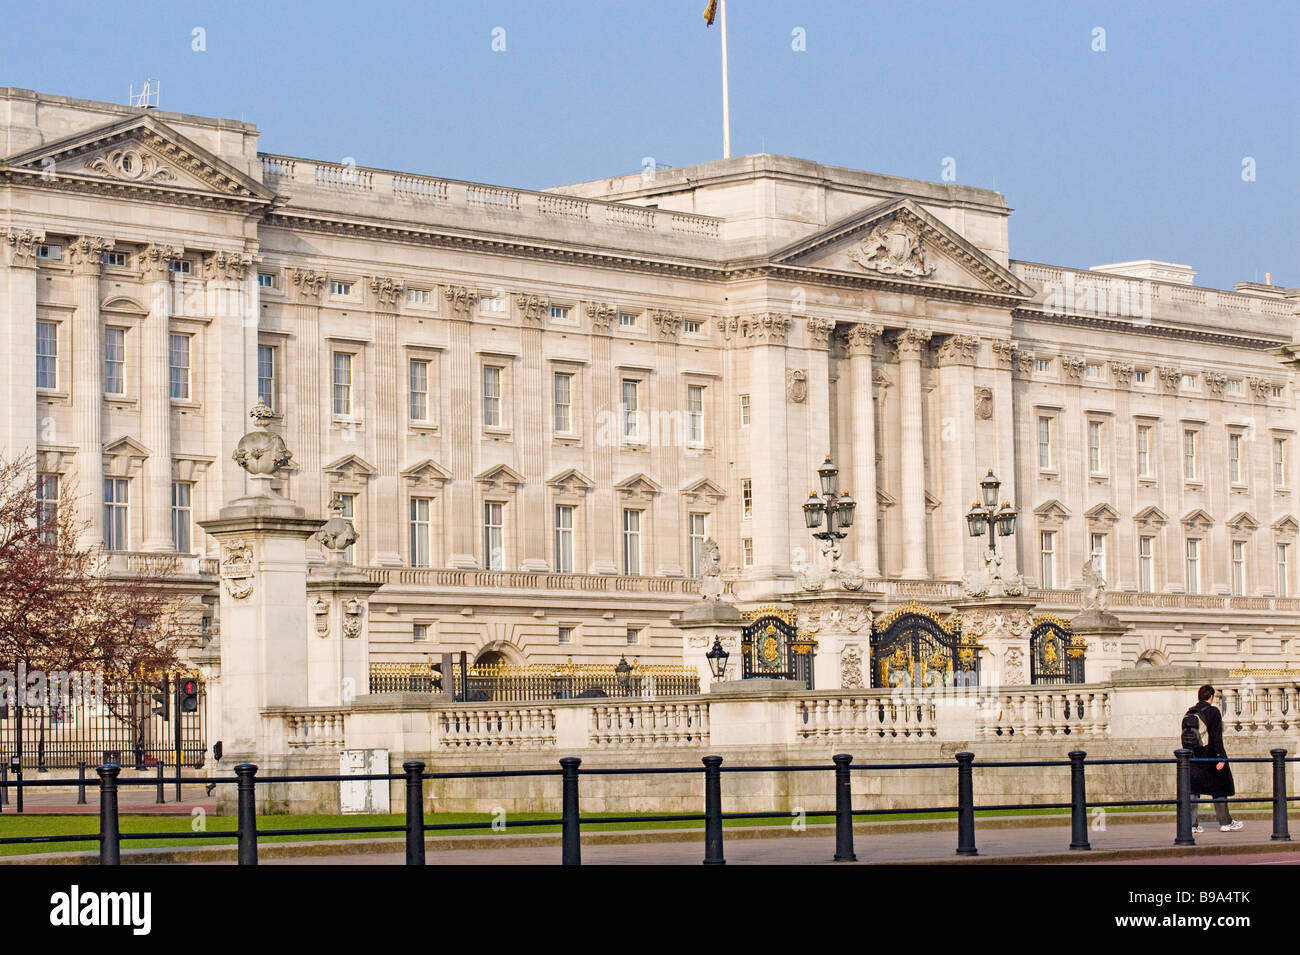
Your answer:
<point x="1233" y="826"/>
<point x="1198" y="829"/>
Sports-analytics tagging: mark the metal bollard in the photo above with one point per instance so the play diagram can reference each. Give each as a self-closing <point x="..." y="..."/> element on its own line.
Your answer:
<point x="843" y="809"/>
<point x="965" y="806"/>
<point x="158" y="799"/>
<point x="414" y="812"/>
<point x="247" y="813"/>
<point x="571" y="839"/>
<point x="1281" y="832"/>
<point x="4" y="786"/>
<point x="1078" y="802"/>
<point x="110" y="837"/>
<point x="81" y="783"/>
<point x="1184" y="798"/>
<point x="713" y="811"/>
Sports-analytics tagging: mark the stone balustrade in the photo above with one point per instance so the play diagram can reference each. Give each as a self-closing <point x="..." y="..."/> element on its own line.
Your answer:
<point x="1035" y="713"/>
<point x="1253" y="709"/>
<point x="502" y="726"/>
<point x="648" y="725"/>
<point x="315" y="729"/>
<point x="866" y="717"/>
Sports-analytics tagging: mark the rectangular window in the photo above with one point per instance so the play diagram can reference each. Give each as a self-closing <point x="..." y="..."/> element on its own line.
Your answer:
<point x="419" y="531"/>
<point x="692" y="326"/>
<point x="1238" y="568"/>
<point x="49" y="251"/>
<point x="115" y="361"/>
<point x="1096" y="461"/>
<point x="1141" y="376"/>
<point x="417" y="296"/>
<point x="1280" y="469"/>
<point x="1146" y="564"/>
<point x="1144" y="450"/>
<point x="342" y="384"/>
<point x="633" y="636"/>
<point x="695" y="414"/>
<point x="627" y="319"/>
<point x="491" y="396"/>
<point x="747" y="551"/>
<point x="1044" y="443"/>
<point x="115" y="512"/>
<point x="349" y="502"/>
<point x="182" y="514"/>
<point x="1047" y="559"/>
<point x="1283" y="559"/>
<point x="266" y="375"/>
<point x="632" y="542"/>
<point x="182" y="267"/>
<point x="1232" y="386"/>
<point x="1234" y="459"/>
<point x="115" y="259"/>
<point x="47" y="508"/>
<point x="495" y="304"/>
<point x="562" y="412"/>
<point x="178" y="366"/>
<point x="340" y="288"/>
<point x="631" y="408"/>
<point x="418" y="388"/>
<point x="560" y="313"/>
<point x="1042" y="365"/>
<point x="746" y="499"/>
<point x="47" y="355"/>
<point x="744" y="411"/>
<point x="1189" y="383"/>
<point x="1193" y="566"/>
<point x="265" y="280"/>
<point x="564" y="635"/>
<point x="564" y="538"/>
<point x="494" y="555"/>
<point x="419" y="631"/>
<point x="1190" y="465"/>
<point x="1097" y="551"/>
<point x="1093" y="372"/>
<point x="696" y="544"/>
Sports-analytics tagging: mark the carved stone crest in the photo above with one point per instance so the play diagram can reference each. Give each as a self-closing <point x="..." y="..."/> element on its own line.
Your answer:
<point x="893" y="248"/>
<point x="984" y="403"/>
<point x="796" y="386"/>
<point x="1013" y="667"/>
<point x="237" y="568"/>
<point x="131" y="165"/>
<point x="322" y="611"/>
<point x="851" y="667"/>
<point x="352" y="618"/>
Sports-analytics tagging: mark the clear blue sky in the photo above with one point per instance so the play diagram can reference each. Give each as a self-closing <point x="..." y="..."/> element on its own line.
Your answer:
<point x="1135" y="152"/>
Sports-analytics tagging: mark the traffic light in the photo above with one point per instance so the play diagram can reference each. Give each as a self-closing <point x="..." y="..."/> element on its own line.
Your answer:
<point x="161" y="699"/>
<point x="187" y="695"/>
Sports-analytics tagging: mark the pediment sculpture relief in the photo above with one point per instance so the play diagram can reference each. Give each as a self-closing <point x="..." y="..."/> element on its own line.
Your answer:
<point x="894" y="248"/>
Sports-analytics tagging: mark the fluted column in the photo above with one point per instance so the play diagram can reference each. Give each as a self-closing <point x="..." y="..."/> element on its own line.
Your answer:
<point x="86" y="254"/>
<point x="18" y="339"/>
<point x="667" y="395"/>
<point x="465" y="517"/>
<point x="959" y="474"/>
<point x="231" y="307"/>
<point x="303" y="420"/>
<point x="603" y="407"/>
<point x="390" y="378"/>
<point x="861" y="342"/>
<point x="155" y="399"/>
<point x="911" y="344"/>
<point x="534" y="431"/>
<point x="1006" y="358"/>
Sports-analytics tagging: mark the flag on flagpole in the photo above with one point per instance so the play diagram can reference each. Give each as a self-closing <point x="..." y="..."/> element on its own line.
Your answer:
<point x="710" y="12"/>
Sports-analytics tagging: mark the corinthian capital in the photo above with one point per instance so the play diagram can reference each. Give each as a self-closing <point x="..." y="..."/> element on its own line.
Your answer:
<point x="819" y="330"/>
<point x="387" y="291"/>
<point x="462" y="300"/>
<point x="667" y="324"/>
<point x="959" y="350"/>
<point x="86" y="253"/>
<point x="23" y="246"/>
<point x="309" y="284"/>
<point x="861" y="338"/>
<point x="532" y="308"/>
<point x="911" y="342"/>
<point x="155" y="262"/>
<point x="226" y="266"/>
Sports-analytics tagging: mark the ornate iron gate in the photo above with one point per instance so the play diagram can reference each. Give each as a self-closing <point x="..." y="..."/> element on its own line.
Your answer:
<point x="912" y="646"/>
<point x="1056" y="655"/>
<point x="771" y="646"/>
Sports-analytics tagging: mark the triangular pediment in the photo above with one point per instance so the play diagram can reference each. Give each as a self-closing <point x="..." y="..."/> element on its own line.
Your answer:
<point x="1285" y="525"/>
<point x="703" y="490"/>
<point x="1197" y="518"/>
<point x="501" y="476"/>
<point x="426" y="473"/>
<point x="899" y="240"/>
<point x="126" y="446"/>
<point x="1151" y="516"/>
<point x="1243" y="521"/>
<point x="349" y="467"/>
<point x="1101" y="514"/>
<point x="884" y="500"/>
<point x="141" y="152"/>
<point x="1052" y="510"/>
<point x="571" y="480"/>
<point x="638" y="485"/>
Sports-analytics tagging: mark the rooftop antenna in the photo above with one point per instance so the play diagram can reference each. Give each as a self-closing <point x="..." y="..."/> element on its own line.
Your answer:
<point x="147" y="98"/>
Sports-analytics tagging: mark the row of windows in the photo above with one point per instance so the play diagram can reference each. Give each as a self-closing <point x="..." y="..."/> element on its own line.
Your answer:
<point x="1145" y="457"/>
<point x="1146" y="562"/>
<point x="1096" y="371"/>
<point x="117" y="511"/>
<point x="563" y="634"/>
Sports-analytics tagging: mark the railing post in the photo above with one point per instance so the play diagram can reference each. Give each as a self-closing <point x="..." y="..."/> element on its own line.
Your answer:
<point x="158" y="799"/>
<point x="713" y="811"/>
<point x="571" y="839"/>
<point x="414" y="770"/>
<point x="1184" y="798"/>
<point x="1078" y="802"/>
<point x="1281" y="832"/>
<point x="110" y="841"/>
<point x="965" y="806"/>
<point x="843" y="809"/>
<point x="4" y="786"/>
<point x="247" y="813"/>
<point x="81" y="782"/>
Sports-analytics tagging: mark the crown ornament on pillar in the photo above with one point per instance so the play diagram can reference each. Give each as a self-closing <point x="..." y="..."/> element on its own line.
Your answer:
<point x="261" y="452"/>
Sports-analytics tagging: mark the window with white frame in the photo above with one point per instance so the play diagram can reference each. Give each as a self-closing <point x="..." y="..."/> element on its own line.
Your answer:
<point x="1141" y="376"/>
<point x="1042" y="365"/>
<point x="1282" y="560"/>
<point x="49" y="250"/>
<point x="494" y="553"/>
<point x="342" y="384"/>
<point x="417" y="377"/>
<point x="1096" y="447"/>
<point x="695" y="414"/>
<point x="1191" y="457"/>
<point x="116" y="259"/>
<point x="696" y="530"/>
<point x="266" y="362"/>
<point x="182" y="266"/>
<point x="747" y="551"/>
<point x="692" y="326"/>
<point x="1143" y="450"/>
<point x="1047" y="559"/>
<point x="178" y="366"/>
<point x="417" y="296"/>
<point x="340" y="288"/>
<point x="47" y="508"/>
<point x="631" y="408"/>
<point x="1097" y="551"/>
<point x="1146" y="563"/>
<point x="563" y="634"/>
<point x="182" y="516"/>
<point x="492" y="396"/>
<point x="746" y="499"/>
<point x="744" y="411"/>
<point x="1238" y="568"/>
<point x="633" y="636"/>
<point x="1189" y="383"/>
<point x="562" y="402"/>
<point x="265" y="280"/>
<point x="1093" y="371"/>
<point x="419" y="631"/>
<point x="1280" y="468"/>
<point x="560" y="313"/>
<point x="420" y="531"/>
<point x="114" y="361"/>
<point x="1193" y="565"/>
<point x="1045" y="428"/>
<point x="564" y="538"/>
<point x="115" y="513"/>
<point x="1232" y="386"/>
<point x="349" y="502"/>
<point x="631" y="542"/>
<point x="1235" y="473"/>
<point x="627" y="319"/>
<point x="493" y="304"/>
<point x="47" y="355"/>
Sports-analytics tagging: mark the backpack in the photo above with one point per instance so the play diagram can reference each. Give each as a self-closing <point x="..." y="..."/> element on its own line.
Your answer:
<point x="1192" y="738"/>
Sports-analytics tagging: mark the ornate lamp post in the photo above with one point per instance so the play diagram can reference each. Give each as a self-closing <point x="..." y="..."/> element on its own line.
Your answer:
<point x="831" y="514"/>
<point x="623" y="673"/>
<point x="986" y="517"/>
<point x="717" y="658"/>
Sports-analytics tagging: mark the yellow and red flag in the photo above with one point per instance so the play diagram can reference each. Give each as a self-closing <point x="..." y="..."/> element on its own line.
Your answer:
<point x="710" y="12"/>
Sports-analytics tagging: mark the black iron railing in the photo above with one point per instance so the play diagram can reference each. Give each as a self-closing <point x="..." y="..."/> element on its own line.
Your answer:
<point x="415" y="828"/>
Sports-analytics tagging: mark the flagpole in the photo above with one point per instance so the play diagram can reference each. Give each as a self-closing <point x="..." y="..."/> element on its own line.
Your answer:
<point x="726" y="98"/>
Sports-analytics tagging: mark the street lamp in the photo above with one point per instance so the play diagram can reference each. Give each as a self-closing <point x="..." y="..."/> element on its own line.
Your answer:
<point x="985" y="517"/>
<point x="623" y="673"/>
<point x="829" y="514"/>
<point x="717" y="658"/>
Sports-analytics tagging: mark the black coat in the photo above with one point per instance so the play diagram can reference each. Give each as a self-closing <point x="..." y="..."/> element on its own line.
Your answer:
<point x="1206" y="780"/>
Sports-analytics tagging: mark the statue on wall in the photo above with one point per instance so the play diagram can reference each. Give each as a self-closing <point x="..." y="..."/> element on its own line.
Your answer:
<point x="1094" y="586"/>
<point x="711" y="585"/>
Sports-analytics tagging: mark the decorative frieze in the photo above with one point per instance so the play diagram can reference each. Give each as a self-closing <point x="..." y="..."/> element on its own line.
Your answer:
<point x="309" y="283"/>
<point x="763" y="328"/>
<point x="462" y="300"/>
<point x="1170" y="377"/>
<point x="894" y="248"/>
<point x="1024" y="363"/>
<point x="1214" y="382"/>
<point x="155" y="262"/>
<point x="819" y="330"/>
<point x="1004" y="351"/>
<point x="23" y="246"/>
<point x="1263" y="387"/>
<point x="532" y="308"/>
<point x="1073" y="366"/>
<point x="132" y="165"/>
<point x="226" y="266"/>
<point x="667" y="324"/>
<point x="387" y="291"/>
<point x="958" y="350"/>
<point x="86" y="253"/>
<point x="1122" y="372"/>
<point x="601" y="314"/>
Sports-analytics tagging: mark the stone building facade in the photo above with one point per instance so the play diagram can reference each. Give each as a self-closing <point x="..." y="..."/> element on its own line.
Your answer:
<point x="536" y="406"/>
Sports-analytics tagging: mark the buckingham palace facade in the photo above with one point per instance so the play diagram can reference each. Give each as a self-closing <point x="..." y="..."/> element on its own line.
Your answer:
<point x="536" y="406"/>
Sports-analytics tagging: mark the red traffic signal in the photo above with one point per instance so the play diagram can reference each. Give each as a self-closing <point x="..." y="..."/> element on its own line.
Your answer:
<point x="187" y="694"/>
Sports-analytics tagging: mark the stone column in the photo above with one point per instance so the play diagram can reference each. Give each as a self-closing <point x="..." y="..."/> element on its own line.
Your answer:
<point x="911" y="343"/>
<point x="812" y="416"/>
<point x="230" y="335"/>
<point x="840" y="622"/>
<point x="861" y="342"/>
<point x="86" y="254"/>
<point x="155" y="397"/>
<point x="463" y="368"/>
<point x="534" y="403"/>
<point x="1004" y="420"/>
<point x="18" y="338"/>
<point x="959" y="473"/>
<point x="390" y="416"/>
<point x="667" y="395"/>
<point x="309" y="372"/>
<point x="603" y="407"/>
